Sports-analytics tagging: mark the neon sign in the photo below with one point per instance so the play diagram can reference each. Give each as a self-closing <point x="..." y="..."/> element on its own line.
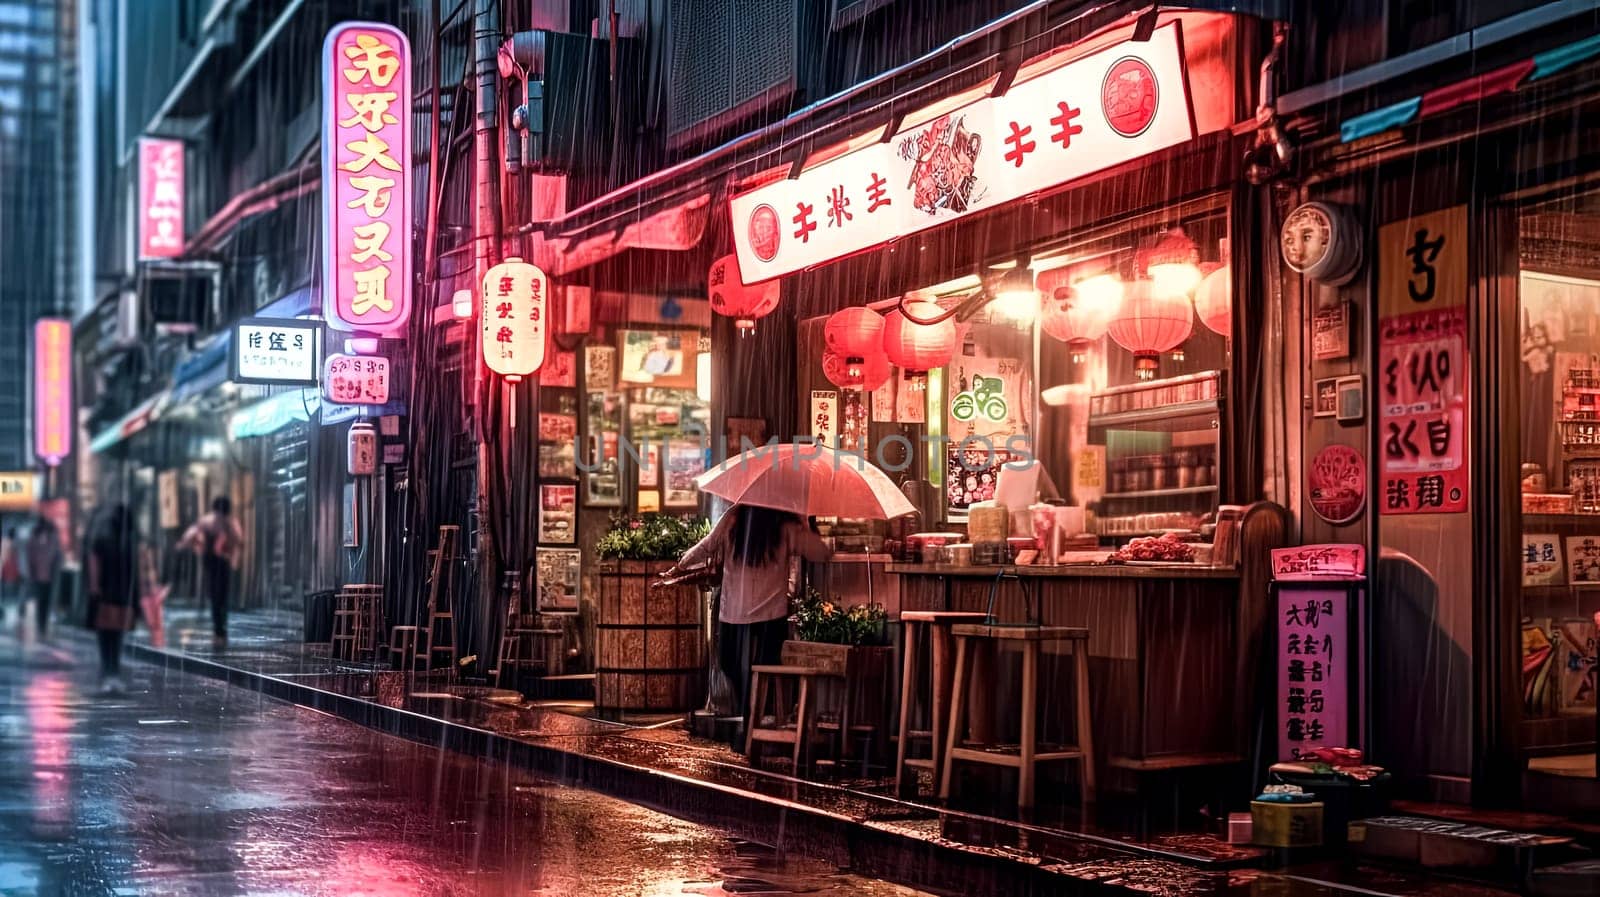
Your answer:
<point x="52" y="389"/>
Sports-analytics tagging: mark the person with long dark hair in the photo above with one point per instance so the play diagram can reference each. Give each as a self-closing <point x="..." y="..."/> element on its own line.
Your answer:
<point x="758" y="547"/>
<point x="113" y="582"/>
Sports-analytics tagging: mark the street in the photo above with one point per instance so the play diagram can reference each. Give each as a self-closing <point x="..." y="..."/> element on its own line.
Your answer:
<point x="188" y="786"/>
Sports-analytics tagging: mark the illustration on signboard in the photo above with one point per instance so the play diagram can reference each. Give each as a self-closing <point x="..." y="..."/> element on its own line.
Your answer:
<point x="945" y="156"/>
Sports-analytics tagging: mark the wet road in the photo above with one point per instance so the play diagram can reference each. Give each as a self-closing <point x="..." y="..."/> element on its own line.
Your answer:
<point x="187" y="786"/>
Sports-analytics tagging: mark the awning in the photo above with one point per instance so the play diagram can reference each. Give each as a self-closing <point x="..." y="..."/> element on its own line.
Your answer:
<point x="131" y="423"/>
<point x="273" y="413"/>
<point x="203" y="370"/>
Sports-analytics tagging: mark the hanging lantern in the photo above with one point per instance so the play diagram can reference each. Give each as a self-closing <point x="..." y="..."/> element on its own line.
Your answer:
<point x="730" y="297"/>
<point x="1213" y="300"/>
<point x="1172" y="262"/>
<point x="854" y="333"/>
<point x="361" y="458"/>
<point x="1149" y="323"/>
<point x="919" y="348"/>
<point x="515" y="317"/>
<point x="869" y="374"/>
<point x="1078" y="313"/>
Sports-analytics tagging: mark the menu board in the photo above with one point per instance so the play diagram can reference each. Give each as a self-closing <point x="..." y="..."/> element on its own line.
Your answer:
<point x="1313" y="672"/>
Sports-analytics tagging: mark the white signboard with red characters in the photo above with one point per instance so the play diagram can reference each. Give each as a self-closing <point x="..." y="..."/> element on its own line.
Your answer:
<point x="1104" y="109"/>
<point x="160" y="198"/>
<point x="515" y="318"/>
<point x="366" y="176"/>
<point x="355" y="379"/>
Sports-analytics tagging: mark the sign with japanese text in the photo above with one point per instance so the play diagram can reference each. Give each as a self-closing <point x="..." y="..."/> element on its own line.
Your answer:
<point x="355" y="379"/>
<point x="275" y="351"/>
<point x="1313" y="670"/>
<point x="1422" y="411"/>
<point x="19" y="490"/>
<point x="1541" y="559"/>
<point x="561" y="369"/>
<point x="52" y="389"/>
<point x="1422" y="262"/>
<point x="160" y="198"/>
<point x="515" y="318"/>
<point x="1338" y="560"/>
<point x="1583" y="561"/>
<point x="366" y="178"/>
<point x="1100" y="110"/>
<point x="824" y="415"/>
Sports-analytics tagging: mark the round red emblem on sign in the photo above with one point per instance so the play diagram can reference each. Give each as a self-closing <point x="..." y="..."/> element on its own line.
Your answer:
<point x="1129" y="96"/>
<point x="764" y="234"/>
<point x="1338" y="480"/>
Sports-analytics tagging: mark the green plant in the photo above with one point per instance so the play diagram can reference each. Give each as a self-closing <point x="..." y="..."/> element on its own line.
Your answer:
<point x="650" y="537"/>
<point x="817" y="619"/>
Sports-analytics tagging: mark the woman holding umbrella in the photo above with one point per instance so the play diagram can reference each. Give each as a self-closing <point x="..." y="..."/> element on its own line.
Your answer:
<point x="757" y="547"/>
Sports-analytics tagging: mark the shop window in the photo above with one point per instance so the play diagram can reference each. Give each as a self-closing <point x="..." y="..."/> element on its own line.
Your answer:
<point x="1559" y="327"/>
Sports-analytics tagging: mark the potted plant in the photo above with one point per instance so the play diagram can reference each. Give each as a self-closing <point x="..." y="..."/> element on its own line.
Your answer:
<point x="850" y="646"/>
<point x="649" y="641"/>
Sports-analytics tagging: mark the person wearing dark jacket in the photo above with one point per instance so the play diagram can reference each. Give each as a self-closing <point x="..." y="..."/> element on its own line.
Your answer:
<point x="113" y="584"/>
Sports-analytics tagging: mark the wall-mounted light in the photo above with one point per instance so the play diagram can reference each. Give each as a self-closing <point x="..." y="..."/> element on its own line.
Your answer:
<point x="1015" y="296"/>
<point x="461" y="303"/>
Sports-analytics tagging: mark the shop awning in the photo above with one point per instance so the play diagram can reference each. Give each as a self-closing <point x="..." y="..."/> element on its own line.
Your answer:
<point x="273" y="413"/>
<point x="203" y="370"/>
<point x="131" y="423"/>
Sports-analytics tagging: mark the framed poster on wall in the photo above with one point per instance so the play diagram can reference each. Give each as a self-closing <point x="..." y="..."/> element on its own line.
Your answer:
<point x="559" y="579"/>
<point x="558" y="513"/>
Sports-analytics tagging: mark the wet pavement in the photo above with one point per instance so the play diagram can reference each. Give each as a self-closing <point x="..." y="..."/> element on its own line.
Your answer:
<point x="188" y="786"/>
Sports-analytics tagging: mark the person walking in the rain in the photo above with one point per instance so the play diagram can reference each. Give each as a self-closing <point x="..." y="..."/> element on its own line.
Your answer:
<point x="113" y="580"/>
<point x="217" y="539"/>
<point x="758" y="547"/>
<point x="41" y="562"/>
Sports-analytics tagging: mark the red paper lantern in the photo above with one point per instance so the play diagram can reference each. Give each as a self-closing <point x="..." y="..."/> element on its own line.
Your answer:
<point x="868" y="374"/>
<point x="919" y="348"/>
<point x="729" y="296"/>
<point x="1078" y="313"/>
<point x="1213" y="300"/>
<point x="1150" y="323"/>
<point x="854" y="333"/>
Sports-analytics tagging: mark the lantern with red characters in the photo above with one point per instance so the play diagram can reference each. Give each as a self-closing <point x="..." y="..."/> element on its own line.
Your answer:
<point x="1151" y="321"/>
<point x="855" y="334"/>
<point x="1077" y="312"/>
<point x="731" y="297"/>
<point x="917" y="347"/>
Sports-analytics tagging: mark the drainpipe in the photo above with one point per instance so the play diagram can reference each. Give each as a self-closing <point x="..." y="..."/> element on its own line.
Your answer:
<point x="486" y="253"/>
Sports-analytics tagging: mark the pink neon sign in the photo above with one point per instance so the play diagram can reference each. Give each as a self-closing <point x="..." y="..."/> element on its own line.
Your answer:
<point x="160" y="198"/>
<point x="366" y="166"/>
<point x="52" y="389"/>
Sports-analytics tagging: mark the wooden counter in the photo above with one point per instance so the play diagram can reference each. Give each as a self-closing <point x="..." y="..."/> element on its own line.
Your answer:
<point x="1162" y="649"/>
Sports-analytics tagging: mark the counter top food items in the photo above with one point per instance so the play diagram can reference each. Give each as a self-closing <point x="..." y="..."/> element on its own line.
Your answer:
<point x="1168" y="547"/>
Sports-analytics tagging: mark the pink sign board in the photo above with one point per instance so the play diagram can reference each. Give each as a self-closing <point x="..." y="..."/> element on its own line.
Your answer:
<point x="52" y="389"/>
<point x="1090" y="114"/>
<point x="160" y="198"/>
<point x="1422" y="411"/>
<point x="366" y="167"/>
<point x="1311" y="562"/>
<point x="1313" y="693"/>
<point x="355" y="379"/>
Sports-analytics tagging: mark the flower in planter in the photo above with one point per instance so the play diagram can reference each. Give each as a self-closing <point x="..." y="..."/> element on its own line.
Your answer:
<point x="819" y="620"/>
<point x="650" y="537"/>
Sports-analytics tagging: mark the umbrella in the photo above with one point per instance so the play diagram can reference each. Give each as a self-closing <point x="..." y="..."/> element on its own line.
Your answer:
<point x="809" y="480"/>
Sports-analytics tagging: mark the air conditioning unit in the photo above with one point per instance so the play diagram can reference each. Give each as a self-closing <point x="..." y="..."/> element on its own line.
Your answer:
<point x="559" y="86"/>
<point x="728" y="60"/>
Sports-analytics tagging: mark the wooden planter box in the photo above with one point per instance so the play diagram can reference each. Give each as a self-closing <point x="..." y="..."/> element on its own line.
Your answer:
<point x="855" y="689"/>
<point x="650" y="644"/>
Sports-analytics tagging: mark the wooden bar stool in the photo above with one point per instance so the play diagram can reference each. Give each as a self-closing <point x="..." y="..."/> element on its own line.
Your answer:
<point x="1026" y="755"/>
<point x="403" y="647"/>
<point x="935" y="699"/>
<point x="767" y="683"/>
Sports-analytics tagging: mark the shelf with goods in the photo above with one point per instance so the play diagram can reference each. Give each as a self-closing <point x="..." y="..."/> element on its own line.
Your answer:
<point x="1162" y="441"/>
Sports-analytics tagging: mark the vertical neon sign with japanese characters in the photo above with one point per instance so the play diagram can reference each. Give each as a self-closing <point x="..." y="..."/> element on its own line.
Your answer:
<point x="514" y="318"/>
<point x="52" y="390"/>
<point x="366" y="164"/>
<point x="160" y="198"/>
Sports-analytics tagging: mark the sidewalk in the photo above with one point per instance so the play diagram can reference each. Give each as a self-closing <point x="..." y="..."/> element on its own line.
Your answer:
<point x="664" y="768"/>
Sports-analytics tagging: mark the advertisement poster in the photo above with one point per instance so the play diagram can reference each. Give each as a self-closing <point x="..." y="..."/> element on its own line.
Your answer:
<point x="658" y="358"/>
<point x="911" y="398"/>
<point x="1330" y="332"/>
<point x="557" y="573"/>
<point x="1583" y="561"/>
<point x="1422" y="411"/>
<point x="1541" y="559"/>
<point x="986" y="397"/>
<point x="1338" y="484"/>
<point x="824" y="416"/>
<point x="883" y="401"/>
<point x="685" y="461"/>
<point x="560" y="369"/>
<point x="971" y="475"/>
<point x="1575" y="647"/>
<point x="167" y="491"/>
<point x="558" y="435"/>
<point x="1089" y="474"/>
<point x="1313" y="675"/>
<point x="558" y="513"/>
<point x="649" y="465"/>
<point x="599" y="368"/>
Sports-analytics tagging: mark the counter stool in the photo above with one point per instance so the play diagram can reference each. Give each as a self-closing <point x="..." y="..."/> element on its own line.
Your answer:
<point x="403" y="647"/>
<point x="935" y="699"/>
<point x="767" y="686"/>
<point x="355" y="621"/>
<point x="1026" y="755"/>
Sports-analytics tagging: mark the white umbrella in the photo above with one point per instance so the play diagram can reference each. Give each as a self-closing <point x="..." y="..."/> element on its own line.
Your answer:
<point x="809" y="480"/>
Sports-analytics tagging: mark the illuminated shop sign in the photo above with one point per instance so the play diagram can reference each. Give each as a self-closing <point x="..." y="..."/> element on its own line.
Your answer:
<point x="52" y="389"/>
<point x="160" y="198"/>
<point x="275" y="351"/>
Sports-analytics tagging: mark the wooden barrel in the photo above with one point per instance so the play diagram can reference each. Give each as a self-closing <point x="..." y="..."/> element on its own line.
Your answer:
<point x="649" y="643"/>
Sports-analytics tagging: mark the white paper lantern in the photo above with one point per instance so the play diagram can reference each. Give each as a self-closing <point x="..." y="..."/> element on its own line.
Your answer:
<point x="362" y="445"/>
<point x="515" y="318"/>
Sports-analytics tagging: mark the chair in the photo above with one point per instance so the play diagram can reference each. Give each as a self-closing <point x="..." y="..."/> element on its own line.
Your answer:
<point x="930" y="688"/>
<point x="1027" y="754"/>
<point x="768" y="684"/>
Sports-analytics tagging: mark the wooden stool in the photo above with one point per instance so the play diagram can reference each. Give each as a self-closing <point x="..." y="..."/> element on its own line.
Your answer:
<point x="1026" y="755"/>
<point x="438" y="643"/>
<point x="403" y="647"/>
<point x="355" y="621"/>
<point x="766" y="681"/>
<point x="936" y="625"/>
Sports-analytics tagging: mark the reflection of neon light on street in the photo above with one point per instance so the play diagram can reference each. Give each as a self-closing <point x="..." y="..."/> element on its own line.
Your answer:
<point x="51" y="731"/>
